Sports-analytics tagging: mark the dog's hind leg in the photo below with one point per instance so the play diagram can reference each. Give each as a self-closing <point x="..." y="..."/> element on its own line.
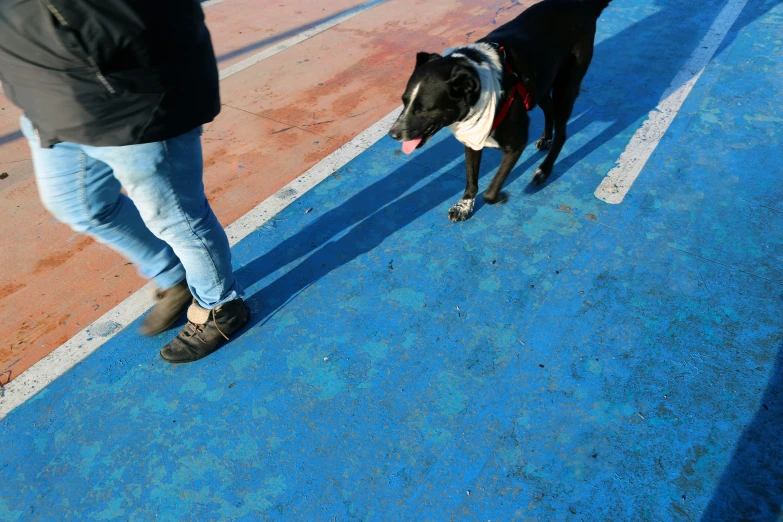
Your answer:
<point x="462" y="210"/>
<point x="545" y="142"/>
<point x="564" y="94"/>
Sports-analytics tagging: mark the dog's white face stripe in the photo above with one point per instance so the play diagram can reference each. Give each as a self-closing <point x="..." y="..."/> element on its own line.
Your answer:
<point x="412" y="98"/>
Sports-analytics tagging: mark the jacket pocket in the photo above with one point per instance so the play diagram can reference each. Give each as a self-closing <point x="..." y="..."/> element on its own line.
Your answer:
<point x="139" y="80"/>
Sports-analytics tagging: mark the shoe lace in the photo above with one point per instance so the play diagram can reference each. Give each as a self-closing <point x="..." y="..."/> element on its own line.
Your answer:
<point x="195" y="330"/>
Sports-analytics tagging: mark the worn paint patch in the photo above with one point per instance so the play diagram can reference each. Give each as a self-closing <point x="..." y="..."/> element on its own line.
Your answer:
<point x="323" y="376"/>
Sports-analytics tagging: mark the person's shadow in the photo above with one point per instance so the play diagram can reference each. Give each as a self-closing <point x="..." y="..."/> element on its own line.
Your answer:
<point x="751" y="487"/>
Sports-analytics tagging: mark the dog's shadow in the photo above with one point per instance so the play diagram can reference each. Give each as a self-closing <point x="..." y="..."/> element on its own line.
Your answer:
<point x="386" y="206"/>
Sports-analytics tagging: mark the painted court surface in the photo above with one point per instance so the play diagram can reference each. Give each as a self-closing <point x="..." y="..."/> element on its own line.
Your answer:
<point x="553" y="358"/>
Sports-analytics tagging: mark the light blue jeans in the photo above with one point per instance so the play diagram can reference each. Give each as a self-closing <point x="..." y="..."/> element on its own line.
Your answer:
<point x="164" y="225"/>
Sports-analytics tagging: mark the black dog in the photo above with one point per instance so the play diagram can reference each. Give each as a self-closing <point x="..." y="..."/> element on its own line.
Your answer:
<point x="482" y="92"/>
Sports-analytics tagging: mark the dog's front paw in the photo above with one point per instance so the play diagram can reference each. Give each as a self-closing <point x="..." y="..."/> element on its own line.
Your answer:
<point x="540" y="176"/>
<point x="543" y="144"/>
<point x="462" y="210"/>
<point x="499" y="199"/>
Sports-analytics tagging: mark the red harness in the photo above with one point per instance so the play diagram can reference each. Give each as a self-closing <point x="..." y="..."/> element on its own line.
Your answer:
<point x="517" y="89"/>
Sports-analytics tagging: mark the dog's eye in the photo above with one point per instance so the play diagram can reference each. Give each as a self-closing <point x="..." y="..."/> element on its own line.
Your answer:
<point x="417" y="108"/>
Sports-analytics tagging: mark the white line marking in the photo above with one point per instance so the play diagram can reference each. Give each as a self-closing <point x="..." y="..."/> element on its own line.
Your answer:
<point x="267" y="209"/>
<point x="621" y="178"/>
<point x="290" y="42"/>
<point x="94" y="336"/>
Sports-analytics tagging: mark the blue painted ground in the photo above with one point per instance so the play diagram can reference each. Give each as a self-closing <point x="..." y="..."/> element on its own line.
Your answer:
<point x="555" y="358"/>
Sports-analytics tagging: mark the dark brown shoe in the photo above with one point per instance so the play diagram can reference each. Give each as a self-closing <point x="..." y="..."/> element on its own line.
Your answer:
<point x="206" y="331"/>
<point x="172" y="303"/>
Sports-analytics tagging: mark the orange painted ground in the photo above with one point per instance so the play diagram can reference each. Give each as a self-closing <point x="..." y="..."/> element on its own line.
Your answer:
<point x="280" y="117"/>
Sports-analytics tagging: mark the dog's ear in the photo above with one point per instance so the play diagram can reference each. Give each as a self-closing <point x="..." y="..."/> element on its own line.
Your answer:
<point x="422" y="58"/>
<point x="463" y="83"/>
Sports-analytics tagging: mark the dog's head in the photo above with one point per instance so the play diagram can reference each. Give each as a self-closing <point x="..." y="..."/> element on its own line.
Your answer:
<point x="440" y="92"/>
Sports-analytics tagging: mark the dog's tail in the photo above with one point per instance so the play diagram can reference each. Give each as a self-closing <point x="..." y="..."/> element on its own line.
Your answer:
<point x="599" y="5"/>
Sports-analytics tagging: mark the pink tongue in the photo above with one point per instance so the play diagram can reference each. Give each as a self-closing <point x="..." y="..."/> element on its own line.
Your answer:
<point x="409" y="146"/>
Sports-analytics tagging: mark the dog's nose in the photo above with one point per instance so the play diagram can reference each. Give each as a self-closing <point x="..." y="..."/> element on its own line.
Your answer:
<point x="395" y="133"/>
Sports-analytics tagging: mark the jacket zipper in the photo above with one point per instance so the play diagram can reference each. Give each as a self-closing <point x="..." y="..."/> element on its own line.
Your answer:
<point x="101" y="78"/>
<point x="56" y="13"/>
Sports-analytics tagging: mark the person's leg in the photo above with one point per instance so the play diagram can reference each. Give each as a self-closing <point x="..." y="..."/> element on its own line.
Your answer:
<point x="164" y="180"/>
<point x="81" y="192"/>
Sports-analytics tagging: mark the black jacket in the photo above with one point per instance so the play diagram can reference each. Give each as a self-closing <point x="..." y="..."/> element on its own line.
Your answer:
<point x="108" y="72"/>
